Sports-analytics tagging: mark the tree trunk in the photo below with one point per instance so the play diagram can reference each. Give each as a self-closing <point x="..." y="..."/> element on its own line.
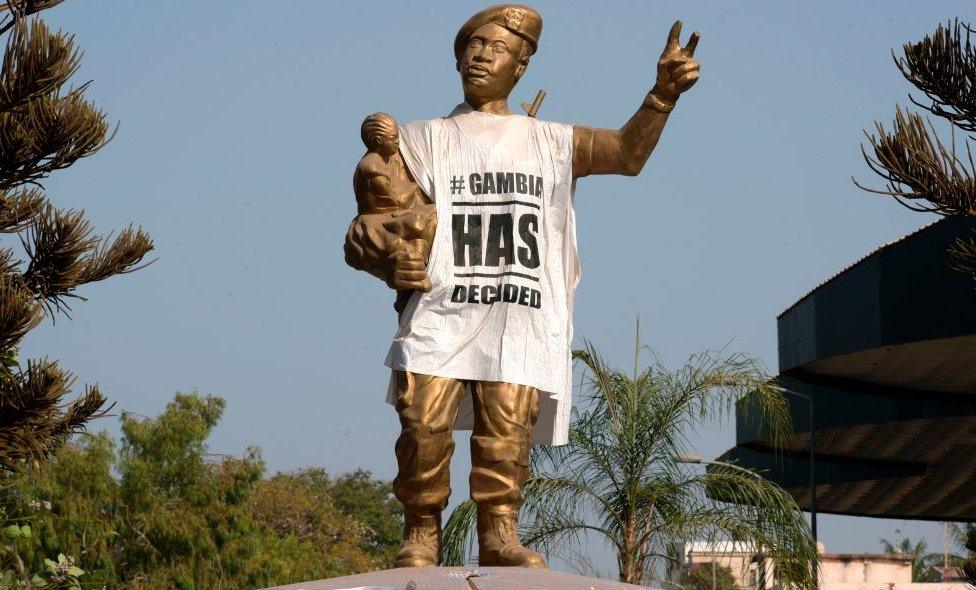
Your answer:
<point x="629" y="572"/>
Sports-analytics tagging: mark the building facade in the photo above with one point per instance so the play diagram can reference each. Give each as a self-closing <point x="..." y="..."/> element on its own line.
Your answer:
<point x="838" y="571"/>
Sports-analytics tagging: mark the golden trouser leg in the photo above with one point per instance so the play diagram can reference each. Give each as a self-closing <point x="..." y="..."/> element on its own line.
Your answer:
<point x="428" y="408"/>
<point x="504" y="415"/>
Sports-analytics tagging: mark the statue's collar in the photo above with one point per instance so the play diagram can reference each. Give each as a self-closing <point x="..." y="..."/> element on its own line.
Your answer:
<point x="464" y="108"/>
<point x="461" y="109"/>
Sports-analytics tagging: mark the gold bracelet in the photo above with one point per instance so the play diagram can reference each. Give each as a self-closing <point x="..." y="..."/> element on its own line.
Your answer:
<point x="657" y="104"/>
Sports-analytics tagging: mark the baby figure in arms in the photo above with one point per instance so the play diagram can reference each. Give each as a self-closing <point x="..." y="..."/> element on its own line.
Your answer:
<point x="392" y="210"/>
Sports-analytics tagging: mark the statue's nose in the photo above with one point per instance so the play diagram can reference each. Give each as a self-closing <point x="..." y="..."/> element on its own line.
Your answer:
<point x="484" y="54"/>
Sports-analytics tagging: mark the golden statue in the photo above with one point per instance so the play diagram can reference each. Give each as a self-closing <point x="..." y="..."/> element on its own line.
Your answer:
<point x="470" y="218"/>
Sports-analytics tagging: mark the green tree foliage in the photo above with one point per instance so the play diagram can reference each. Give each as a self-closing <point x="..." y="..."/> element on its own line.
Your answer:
<point x="373" y="503"/>
<point x="159" y="511"/>
<point x="965" y="538"/>
<point x="619" y="479"/>
<point x="702" y="577"/>
<point x="311" y="505"/>
<point x="301" y="505"/>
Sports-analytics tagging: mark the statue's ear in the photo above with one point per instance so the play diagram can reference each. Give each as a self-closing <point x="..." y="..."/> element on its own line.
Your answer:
<point x="524" y="56"/>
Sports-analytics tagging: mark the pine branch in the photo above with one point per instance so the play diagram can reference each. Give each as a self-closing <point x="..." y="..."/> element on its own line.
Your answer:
<point x="57" y="245"/>
<point x="32" y="421"/>
<point x="88" y="407"/>
<point x="8" y="265"/>
<point x="921" y="172"/>
<point x="36" y="62"/>
<point x="120" y="257"/>
<point x="19" y="311"/>
<point x="48" y="134"/>
<point x="20" y="208"/>
<point x="943" y="66"/>
<point x="19" y="9"/>
<point x="65" y="255"/>
<point x="962" y="256"/>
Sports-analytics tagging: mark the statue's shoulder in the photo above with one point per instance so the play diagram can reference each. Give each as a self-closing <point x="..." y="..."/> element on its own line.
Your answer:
<point x="550" y="124"/>
<point x="421" y="125"/>
<point x="371" y="164"/>
<point x="558" y="136"/>
<point x="555" y="129"/>
<point x="419" y="135"/>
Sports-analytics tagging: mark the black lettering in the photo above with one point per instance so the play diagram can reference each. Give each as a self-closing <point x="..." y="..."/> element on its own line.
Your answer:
<point x="489" y="294"/>
<point x="474" y="183"/>
<point x="459" y="293"/>
<point x="538" y="186"/>
<point x="470" y="238"/>
<point x="536" y="300"/>
<point x="488" y="185"/>
<point x="509" y="293"/>
<point x="504" y="182"/>
<point x="523" y="295"/>
<point x="473" y="293"/>
<point x="528" y="228"/>
<point x="501" y="239"/>
<point x="520" y="183"/>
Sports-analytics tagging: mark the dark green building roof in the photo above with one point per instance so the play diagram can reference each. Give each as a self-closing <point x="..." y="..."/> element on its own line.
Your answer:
<point x="887" y="351"/>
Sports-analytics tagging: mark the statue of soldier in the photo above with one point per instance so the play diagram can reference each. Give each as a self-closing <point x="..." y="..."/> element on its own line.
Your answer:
<point x="491" y="304"/>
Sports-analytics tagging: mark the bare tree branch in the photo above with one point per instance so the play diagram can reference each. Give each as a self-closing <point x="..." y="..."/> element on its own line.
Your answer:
<point x="920" y="170"/>
<point x="943" y="67"/>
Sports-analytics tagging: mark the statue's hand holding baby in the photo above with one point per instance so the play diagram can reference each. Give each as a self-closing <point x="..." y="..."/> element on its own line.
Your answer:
<point x="407" y="269"/>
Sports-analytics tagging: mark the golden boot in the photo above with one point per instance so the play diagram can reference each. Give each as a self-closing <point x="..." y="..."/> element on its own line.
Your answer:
<point x="504" y="415"/>
<point x="428" y="408"/>
<point x="421" y="540"/>
<point x="498" y="542"/>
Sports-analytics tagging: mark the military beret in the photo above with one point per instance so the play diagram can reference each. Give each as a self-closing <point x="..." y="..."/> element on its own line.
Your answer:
<point x="520" y="19"/>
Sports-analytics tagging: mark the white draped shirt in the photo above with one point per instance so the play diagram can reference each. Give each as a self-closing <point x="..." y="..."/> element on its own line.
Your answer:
<point x="503" y="264"/>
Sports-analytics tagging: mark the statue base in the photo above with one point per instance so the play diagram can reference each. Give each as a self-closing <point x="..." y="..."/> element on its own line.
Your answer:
<point x="462" y="578"/>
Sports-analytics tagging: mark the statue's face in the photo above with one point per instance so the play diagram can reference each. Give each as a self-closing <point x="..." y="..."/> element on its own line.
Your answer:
<point x="388" y="143"/>
<point x="490" y="64"/>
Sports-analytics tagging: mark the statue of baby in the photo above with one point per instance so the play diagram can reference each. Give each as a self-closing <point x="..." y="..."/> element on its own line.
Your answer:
<point x="393" y="213"/>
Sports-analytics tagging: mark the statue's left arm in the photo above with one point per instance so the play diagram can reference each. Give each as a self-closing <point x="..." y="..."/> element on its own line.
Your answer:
<point x="626" y="150"/>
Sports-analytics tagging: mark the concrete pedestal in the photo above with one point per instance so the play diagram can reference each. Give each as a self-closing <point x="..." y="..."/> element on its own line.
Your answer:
<point x="462" y="578"/>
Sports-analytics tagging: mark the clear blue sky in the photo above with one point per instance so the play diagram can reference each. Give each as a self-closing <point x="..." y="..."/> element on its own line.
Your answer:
<point x="239" y="135"/>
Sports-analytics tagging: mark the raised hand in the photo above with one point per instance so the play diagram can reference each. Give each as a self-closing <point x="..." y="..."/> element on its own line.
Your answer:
<point x="677" y="70"/>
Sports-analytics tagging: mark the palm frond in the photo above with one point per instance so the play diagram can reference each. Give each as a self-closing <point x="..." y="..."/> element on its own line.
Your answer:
<point x="619" y="481"/>
<point x="460" y="534"/>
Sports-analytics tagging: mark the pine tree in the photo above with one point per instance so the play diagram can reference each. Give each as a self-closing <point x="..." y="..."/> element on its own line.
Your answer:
<point x="923" y="171"/>
<point x="45" y="125"/>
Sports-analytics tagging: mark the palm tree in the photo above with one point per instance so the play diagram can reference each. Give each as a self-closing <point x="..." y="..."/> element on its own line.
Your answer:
<point x="620" y="479"/>
<point x="918" y="550"/>
<point x="964" y="536"/>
